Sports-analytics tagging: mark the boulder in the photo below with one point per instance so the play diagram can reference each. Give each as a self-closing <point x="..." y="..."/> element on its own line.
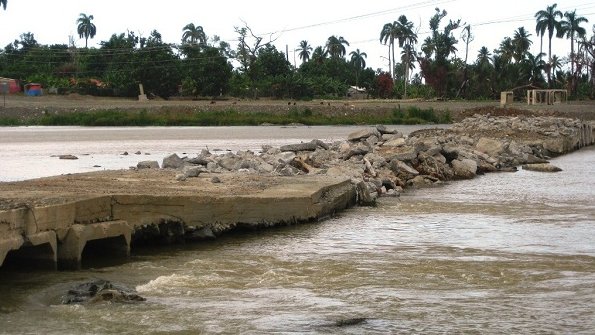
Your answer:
<point x="357" y="150"/>
<point x="364" y="133"/>
<point x="147" y="165"/>
<point x="100" y="290"/>
<point x="310" y="146"/>
<point x="172" y="161"/>
<point x="490" y="146"/>
<point x="464" y="168"/>
<point x="191" y="171"/>
<point x="402" y="170"/>
<point x="397" y="142"/>
<point x="541" y="167"/>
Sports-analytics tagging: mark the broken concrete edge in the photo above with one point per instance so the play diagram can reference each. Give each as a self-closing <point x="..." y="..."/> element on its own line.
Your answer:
<point x="55" y="236"/>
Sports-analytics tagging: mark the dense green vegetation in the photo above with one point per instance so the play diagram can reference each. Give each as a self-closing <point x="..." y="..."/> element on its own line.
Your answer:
<point x="230" y="117"/>
<point x="206" y="66"/>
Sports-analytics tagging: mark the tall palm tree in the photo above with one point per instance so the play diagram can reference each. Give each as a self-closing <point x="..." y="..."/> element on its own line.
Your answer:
<point x="406" y="37"/>
<point x="547" y="18"/>
<point x="304" y="50"/>
<point x="3" y="3"/>
<point x="389" y="33"/>
<point x="336" y="46"/>
<point x="532" y="67"/>
<point x="319" y="55"/>
<point x="506" y="49"/>
<point x="571" y="28"/>
<point x="194" y="34"/>
<point x="85" y="27"/>
<point x="521" y="43"/>
<point x="484" y="56"/>
<point x="358" y="59"/>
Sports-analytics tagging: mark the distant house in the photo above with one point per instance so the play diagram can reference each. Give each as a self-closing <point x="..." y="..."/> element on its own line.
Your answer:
<point x="356" y="93"/>
<point x="13" y="84"/>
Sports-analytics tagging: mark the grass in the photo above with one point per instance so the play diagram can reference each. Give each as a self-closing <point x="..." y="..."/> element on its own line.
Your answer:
<point x="306" y="116"/>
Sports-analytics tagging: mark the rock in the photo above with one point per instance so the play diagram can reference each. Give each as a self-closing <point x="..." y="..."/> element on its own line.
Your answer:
<point x="419" y="181"/>
<point x="180" y="177"/>
<point x="191" y="171"/>
<point x="215" y="180"/>
<point x="321" y="144"/>
<point x="125" y="153"/>
<point x="229" y="162"/>
<point x="204" y="233"/>
<point x="147" y="165"/>
<point x="199" y="160"/>
<point x="464" y="168"/>
<point x="283" y="158"/>
<point x="357" y="150"/>
<point x="311" y="146"/>
<point x="100" y="291"/>
<point x="68" y="157"/>
<point x="364" y="133"/>
<point x="287" y="171"/>
<point x="541" y="167"/>
<point x="401" y="169"/>
<point x="397" y="142"/>
<point x="365" y="197"/>
<point x="490" y="146"/>
<point x="372" y="140"/>
<point x="172" y="161"/>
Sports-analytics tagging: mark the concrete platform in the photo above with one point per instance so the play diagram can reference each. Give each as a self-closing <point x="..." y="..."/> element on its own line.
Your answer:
<point x="51" y="222"/>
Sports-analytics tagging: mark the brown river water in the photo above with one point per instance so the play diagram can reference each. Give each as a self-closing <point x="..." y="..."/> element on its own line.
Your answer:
<point x="507" y="253"/>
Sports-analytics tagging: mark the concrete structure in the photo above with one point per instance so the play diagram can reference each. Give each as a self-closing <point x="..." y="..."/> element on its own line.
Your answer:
<point x="547" y="97"/>
<point x="506" y="98"/>
<point x="43" y="227"/>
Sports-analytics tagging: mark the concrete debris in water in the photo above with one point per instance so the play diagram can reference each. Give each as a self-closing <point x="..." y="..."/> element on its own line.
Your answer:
<point x="100" y="290"/>
<point x="382" y="162"/>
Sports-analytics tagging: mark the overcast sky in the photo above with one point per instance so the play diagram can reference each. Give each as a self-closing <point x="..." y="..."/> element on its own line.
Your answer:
<point x="359" y="22"/>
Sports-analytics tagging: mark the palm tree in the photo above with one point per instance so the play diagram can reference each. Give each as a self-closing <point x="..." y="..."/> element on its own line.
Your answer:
<point x="304" y="50"/>
<point x="547" y="18"/>
<point x="358" y="59"/>
<point x="85" y="27"/>
<point x="319" y="55"/>
<point x="532" y="68"/>
<point x="194" y="34"/>
<point x="556" y="65"/>
<point x="484" y="56"/>
<point x="506" y="49"/>
<point x="540" y="29"/>
<point x="3" y="3"/>
<point x="388" y="34"/>
<point x="406" y="37"/>
<point x="521" y="43"/>
<point x="571" y="28"/>
<point x="335" y="47"/>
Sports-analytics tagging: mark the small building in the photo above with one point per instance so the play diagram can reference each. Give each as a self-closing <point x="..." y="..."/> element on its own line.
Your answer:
<point x="356" y="93"/>
<point x="546" y="97"/>
<point x="33" y="90"/>
<point x="13" y="84"/>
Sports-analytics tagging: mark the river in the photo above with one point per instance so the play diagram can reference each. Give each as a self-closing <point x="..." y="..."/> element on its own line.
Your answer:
<point x="503" y="253"/>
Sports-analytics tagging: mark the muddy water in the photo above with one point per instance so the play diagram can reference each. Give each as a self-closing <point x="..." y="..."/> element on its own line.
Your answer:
<point x="504" y="253"/>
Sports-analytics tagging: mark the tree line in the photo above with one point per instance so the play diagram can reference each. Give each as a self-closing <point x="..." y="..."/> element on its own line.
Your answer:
<point x="206" y="66"/>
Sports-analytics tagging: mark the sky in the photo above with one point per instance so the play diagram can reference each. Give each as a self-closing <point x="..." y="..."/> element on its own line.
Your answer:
<point x="286" y="22"/>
